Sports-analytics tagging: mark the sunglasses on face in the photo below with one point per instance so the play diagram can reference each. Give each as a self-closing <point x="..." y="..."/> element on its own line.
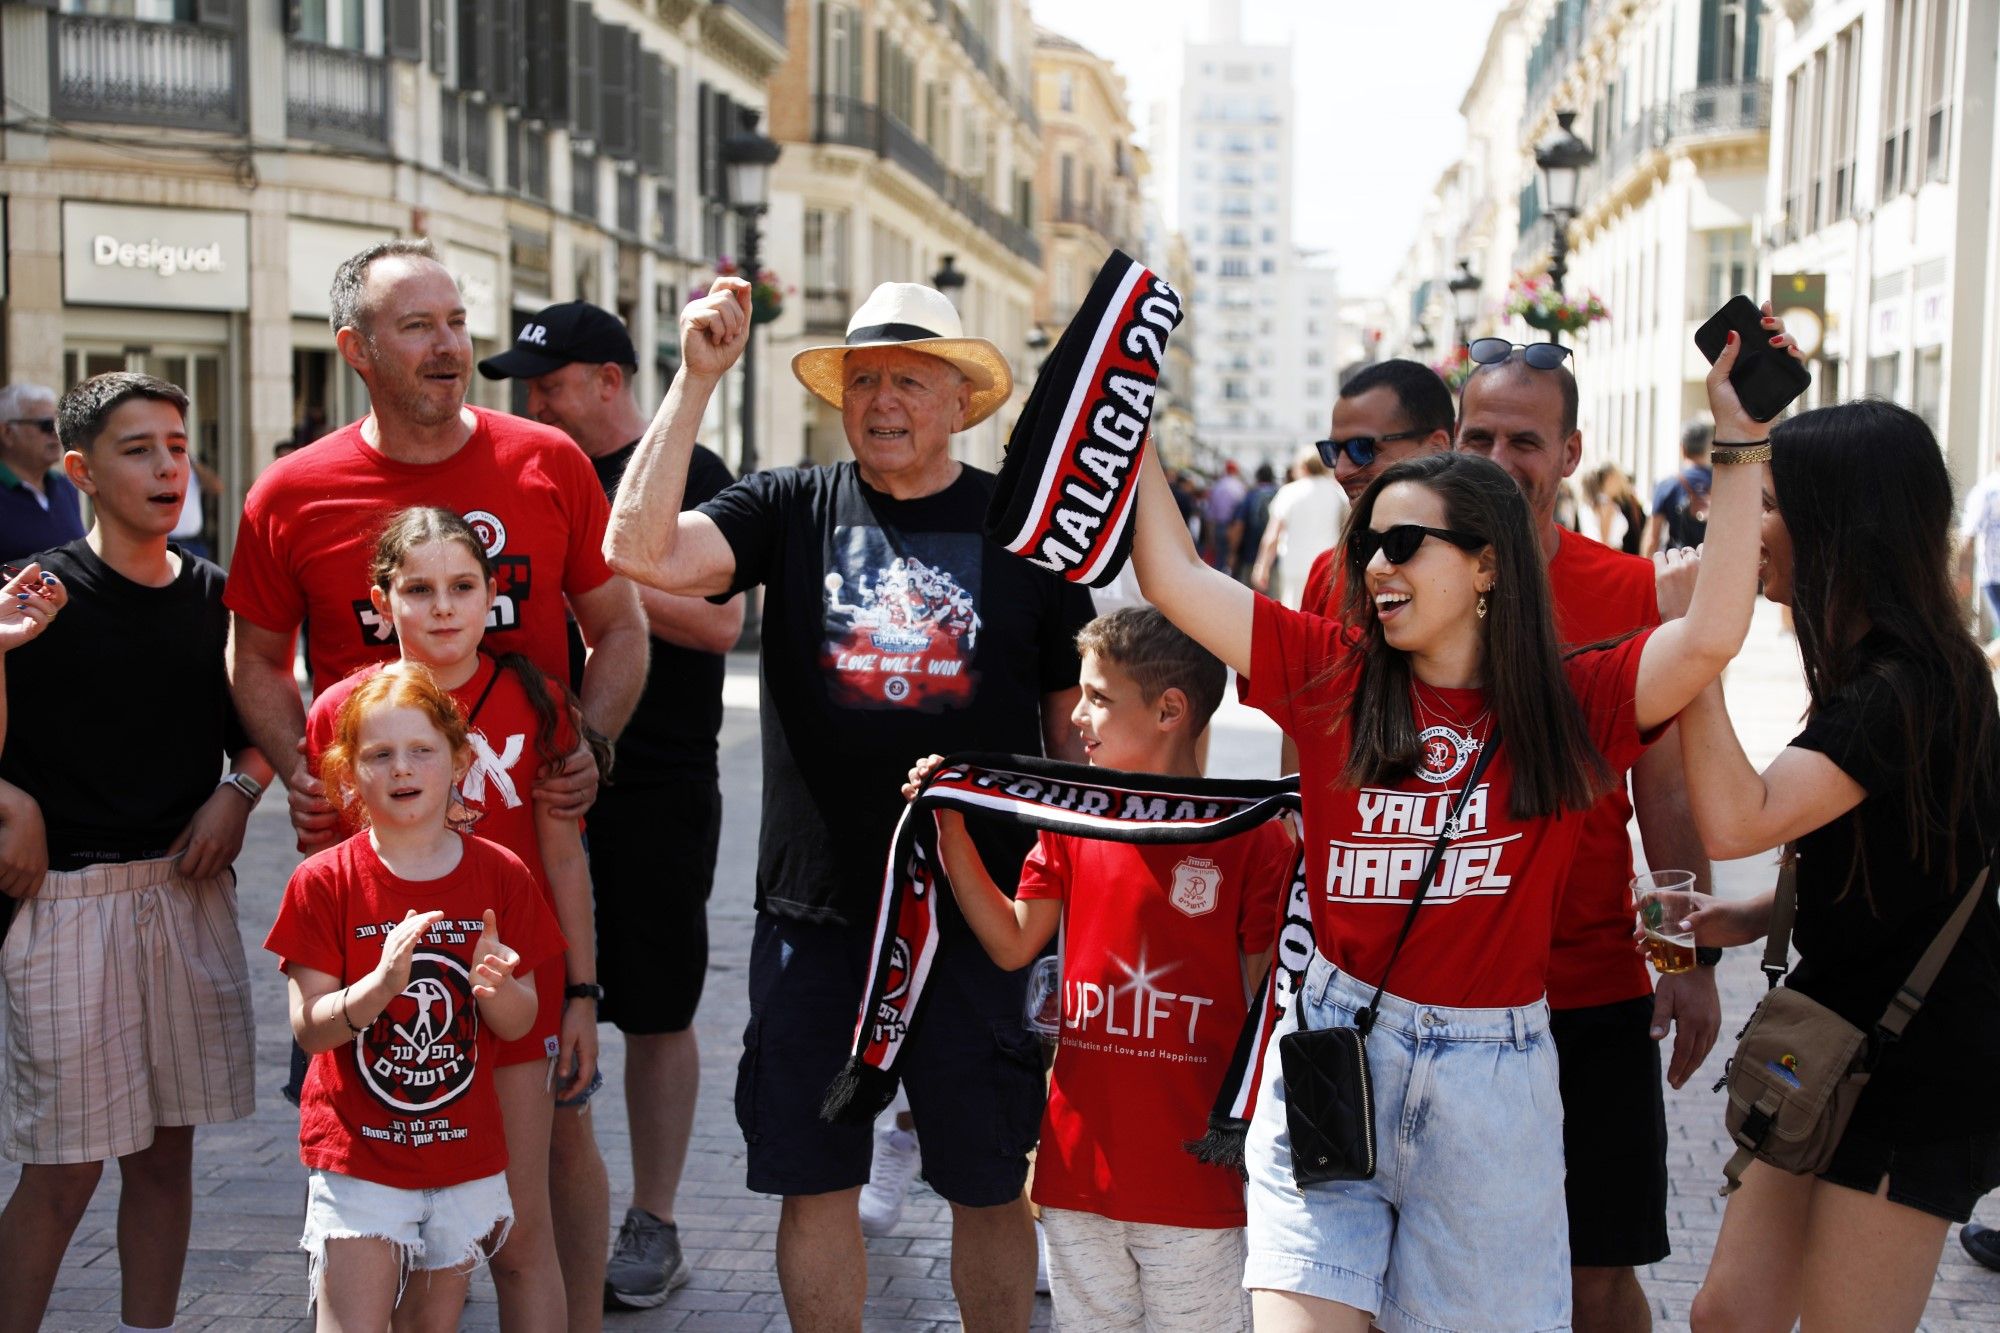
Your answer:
<point x="1361" y="449"/>
<point x="44" y="424"/>
<point x="1399" y="544"/>
<point x="1492" y="351"/>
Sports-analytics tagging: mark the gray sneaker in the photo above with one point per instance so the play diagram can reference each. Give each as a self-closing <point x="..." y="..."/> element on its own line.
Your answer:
<point x="646" y="1263"/>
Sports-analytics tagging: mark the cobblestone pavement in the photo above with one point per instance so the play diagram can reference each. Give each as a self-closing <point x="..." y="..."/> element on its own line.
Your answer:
<point x="245" y="1272"/>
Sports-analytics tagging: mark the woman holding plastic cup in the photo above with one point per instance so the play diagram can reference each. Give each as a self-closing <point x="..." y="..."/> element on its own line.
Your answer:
<point x="1891" y="798"/>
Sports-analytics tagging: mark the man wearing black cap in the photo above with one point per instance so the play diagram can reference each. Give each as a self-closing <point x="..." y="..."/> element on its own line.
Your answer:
<point x="893" y="628"/>
<point x="652" y="928"/>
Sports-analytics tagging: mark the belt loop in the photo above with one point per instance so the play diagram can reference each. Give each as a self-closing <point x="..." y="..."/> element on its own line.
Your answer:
<point x="1520" y="1018"/>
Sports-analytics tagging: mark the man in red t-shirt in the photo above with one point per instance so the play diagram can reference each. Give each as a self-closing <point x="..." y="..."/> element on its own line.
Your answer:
<point x="310" y="522"/>
<point x="1607" y="1018"/>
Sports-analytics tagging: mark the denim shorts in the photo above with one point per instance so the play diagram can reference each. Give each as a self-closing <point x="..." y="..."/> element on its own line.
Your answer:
<point x="1463" y="1226"/>
<point x="431" y="1229"/>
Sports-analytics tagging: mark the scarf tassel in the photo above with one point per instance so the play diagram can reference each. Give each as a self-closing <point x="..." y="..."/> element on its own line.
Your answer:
<point x="858" y="1094"/>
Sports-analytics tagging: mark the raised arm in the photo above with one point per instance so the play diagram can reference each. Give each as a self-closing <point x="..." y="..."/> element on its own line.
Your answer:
<point x="650" y="540"/>
<point x="1686" y="654"/>
<point x="1204" y="603"/>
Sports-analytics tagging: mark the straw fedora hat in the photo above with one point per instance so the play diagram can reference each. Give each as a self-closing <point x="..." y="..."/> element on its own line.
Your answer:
<point x="923" y="319"/>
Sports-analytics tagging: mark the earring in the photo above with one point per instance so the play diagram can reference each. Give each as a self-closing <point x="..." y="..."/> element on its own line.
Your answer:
<point x="1480" y="610"/>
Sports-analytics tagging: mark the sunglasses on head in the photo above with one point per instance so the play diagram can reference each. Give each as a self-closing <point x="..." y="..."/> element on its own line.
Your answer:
<point x="1400" y="543"/>
<point x="1361" y="449"/>
<point x="47" y="424"/>
<point x="1492" y="351"/>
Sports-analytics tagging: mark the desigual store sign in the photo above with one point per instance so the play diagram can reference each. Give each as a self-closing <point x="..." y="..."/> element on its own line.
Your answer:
<point x="155" y="258"/>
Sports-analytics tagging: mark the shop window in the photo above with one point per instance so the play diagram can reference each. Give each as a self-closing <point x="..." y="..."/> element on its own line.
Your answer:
<point x="1929" y="397"/>
<point x="1884" y="381"/>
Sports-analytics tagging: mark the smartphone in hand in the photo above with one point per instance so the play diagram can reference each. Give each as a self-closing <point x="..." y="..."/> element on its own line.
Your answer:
<point x="1766" y="378"/>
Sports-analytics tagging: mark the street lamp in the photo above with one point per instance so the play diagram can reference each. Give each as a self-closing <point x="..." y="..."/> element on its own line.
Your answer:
<point x="948" y="279"/>
<point x="1421" y="341"/>
<point x="1561" y="158"/>
<point x="1464" y="291"/>
<point x="747" y="159"/>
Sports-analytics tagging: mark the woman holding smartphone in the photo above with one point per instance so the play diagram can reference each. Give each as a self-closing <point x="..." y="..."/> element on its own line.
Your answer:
<point x="1890" y="797"/>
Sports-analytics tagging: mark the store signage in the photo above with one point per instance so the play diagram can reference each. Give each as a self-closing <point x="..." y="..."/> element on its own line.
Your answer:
<point x="478" y="275"/>
<point x="155" y="258"/>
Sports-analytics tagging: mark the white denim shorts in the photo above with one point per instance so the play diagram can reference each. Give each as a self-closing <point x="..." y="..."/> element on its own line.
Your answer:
<point x="458" y="1226"/>
<point x="1463" y="1227"/>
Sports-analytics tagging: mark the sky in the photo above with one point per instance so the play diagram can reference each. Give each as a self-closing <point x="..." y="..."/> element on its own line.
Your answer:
<point x="1375" y="85"/>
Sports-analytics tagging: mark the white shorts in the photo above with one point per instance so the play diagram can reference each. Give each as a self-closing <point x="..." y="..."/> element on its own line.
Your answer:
<point x="128" y="1009"/>
<point x="458" y="1226"/>
<point x="1139" y="1276"/>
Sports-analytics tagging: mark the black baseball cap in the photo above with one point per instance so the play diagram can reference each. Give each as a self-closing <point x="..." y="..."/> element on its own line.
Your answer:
<point x="557" y="335"/>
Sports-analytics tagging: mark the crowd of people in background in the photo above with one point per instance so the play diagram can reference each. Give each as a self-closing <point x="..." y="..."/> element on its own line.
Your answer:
<point x="510" y="623"/>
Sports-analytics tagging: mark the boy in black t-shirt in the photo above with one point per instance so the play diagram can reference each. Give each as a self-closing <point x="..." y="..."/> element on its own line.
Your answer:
<point x="128" y="999"/>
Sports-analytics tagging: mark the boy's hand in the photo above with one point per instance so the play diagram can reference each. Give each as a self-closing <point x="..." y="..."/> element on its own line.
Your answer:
<point x="24" y="844"/>
<point x="919" y="773"/>
<point x="399" y="948"/>
<point x="493" y="963"/>
<point x="29" y="601"/>
<point x="209" y="844"/>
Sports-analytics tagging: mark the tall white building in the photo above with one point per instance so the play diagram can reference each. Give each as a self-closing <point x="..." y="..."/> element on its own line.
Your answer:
<point x="1256" y="396"/>
<point x="1883" y="187"/>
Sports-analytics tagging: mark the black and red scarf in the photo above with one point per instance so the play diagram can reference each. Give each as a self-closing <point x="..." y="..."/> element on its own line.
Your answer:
<point x="1064" y="501"/>
<point x="1088" y="803"/>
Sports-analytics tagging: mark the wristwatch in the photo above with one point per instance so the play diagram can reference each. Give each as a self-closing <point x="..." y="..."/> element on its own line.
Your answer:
<point x="252" y="789"/>
<point x="1706" y="955"/>
<point x="584" y="990"/>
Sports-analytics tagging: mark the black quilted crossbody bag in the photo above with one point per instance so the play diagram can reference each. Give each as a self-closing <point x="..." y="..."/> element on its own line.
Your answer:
<point x="1329" y="1101"/>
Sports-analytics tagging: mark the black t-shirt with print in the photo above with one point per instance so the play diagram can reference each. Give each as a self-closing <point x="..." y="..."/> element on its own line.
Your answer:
<point x="672" y="732"/>
<point x="1855" y="947"/>
<point x="892" y="629"/>
<point x="118" y="715"/>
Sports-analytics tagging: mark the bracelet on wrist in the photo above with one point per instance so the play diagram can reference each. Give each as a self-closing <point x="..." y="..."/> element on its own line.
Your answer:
<point x="1726" y="455"/>
<point x="343" y="1014"/>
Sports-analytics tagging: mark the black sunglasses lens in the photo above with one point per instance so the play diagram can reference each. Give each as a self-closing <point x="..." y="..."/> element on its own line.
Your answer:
<point x="1489" y="351"/>
<point x="1329" y="451"/>
<point x="1399" y="543"/>
<point x="1360" y="450"/>
<point x="1545" y="356"/>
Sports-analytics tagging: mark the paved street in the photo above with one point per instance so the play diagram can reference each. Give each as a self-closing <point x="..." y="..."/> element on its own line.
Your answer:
<point x="245" y="1272"/>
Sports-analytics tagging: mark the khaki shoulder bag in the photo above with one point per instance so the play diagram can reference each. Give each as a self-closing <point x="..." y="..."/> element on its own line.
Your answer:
<point x="1799" y="1067"/>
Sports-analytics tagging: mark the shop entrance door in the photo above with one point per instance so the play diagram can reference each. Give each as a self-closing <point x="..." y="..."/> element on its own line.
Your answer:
<point x="198" y="371"/>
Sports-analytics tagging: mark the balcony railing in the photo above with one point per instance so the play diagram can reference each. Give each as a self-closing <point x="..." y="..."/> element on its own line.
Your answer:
<point x="827" y="307"/>
<point x="856" y="124"/>
<point x="1723" y="108"/>
<point x="169" y="74"/>
<point x="336" y="96"/>
<point x="769" y="15"/>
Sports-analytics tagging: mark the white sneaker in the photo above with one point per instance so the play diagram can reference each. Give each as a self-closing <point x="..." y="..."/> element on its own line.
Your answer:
<point x="889" y="1175"/>
<point x="1041" y="1259"/>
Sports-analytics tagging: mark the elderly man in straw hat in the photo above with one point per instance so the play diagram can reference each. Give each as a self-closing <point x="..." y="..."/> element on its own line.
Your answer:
<point x="892" y="629"/>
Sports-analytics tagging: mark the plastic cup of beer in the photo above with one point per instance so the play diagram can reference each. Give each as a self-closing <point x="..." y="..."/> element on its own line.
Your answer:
<point x="1664" y="900"/>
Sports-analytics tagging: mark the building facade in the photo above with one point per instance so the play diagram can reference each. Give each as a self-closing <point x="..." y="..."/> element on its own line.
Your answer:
<point x="1882" y="191"/>
<point x="1674" y="96"/>
<point x="1089" y="185"/>
<point x="911" y="144"/>
<point x="181" y="178"/>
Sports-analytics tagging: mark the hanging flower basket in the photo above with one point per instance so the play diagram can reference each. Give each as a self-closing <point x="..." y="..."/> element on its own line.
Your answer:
<point x="1540" y="306"/>
<point x="1455" y="369"/>
<point x="767" y="297"/>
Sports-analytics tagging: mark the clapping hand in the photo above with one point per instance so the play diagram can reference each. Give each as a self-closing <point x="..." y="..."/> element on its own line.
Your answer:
<point x="715" y="328"/>
<point x="399" y="949"/>
<point x="1734" y="425"/>
<point x="493" y="963"/>
<point x="28" y="603"/>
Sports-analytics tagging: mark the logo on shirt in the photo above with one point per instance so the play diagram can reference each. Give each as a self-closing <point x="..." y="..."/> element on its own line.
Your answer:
<point x="497" y="769"/>
<point x="1384" y="858"/>
<point x="1442" y="753"/>
<point x="486" y="526"/>
<point x="902" y="621"/>
<point x="1138" y="1009"/>
<point x="421" y="1053"/>
<point x="512" y="579"/>
<point x="1197" y="885"/>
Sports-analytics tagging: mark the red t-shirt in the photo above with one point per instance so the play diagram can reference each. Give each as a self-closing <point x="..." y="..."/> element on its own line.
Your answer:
<point x="1482" y="937"/>
<point x="311" y="520"/>
<point x="1321" y="595"/>
<point x="405" y="1103"/>
<point x="1153" y="1000"/>
<point x="497" y="790"/>
<point x="1600" y="593"/>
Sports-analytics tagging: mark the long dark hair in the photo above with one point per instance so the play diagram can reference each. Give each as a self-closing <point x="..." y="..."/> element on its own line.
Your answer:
<point x="551" y="702"/>
<point x="1556" y="766"/>
<point x="1863" y="489"/>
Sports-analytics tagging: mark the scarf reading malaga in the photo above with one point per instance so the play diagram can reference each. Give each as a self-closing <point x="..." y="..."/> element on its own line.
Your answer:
<point x="1064" y="499"/>
<point x="1088" y="803"/>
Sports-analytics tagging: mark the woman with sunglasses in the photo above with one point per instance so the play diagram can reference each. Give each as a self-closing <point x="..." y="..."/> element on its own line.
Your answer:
<point x="1890" y="798"/>
<point x="1445" y="646"/>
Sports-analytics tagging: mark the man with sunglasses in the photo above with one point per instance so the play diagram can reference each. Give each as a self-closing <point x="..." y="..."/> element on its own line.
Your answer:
<point x="1519" y="408"/>
<point x="38" y="506"/>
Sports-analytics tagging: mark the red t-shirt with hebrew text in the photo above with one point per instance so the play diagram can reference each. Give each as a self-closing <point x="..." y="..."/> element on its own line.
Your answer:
<point x="410" y="1102"/>
<point x="1152" y="1002"/>
<point x="311" y="520"/>
<point x="1482" y="937"/>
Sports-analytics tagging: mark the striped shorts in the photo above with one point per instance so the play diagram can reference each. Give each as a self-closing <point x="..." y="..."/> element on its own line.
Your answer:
<point x="127" y="1008"/>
